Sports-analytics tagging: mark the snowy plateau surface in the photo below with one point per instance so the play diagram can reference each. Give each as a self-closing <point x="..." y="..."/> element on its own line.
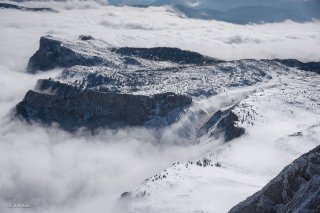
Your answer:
<point x="209" y="96"/>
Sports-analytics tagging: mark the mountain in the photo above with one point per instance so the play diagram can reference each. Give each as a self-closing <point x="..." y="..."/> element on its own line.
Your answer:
<point x="295" y="189"/>
<point x="108" y="86"/>
<point x="246" y="14"/>
<point x="244" y="11"/>
<point x="279" y="115"/>
<point x="233" y="11"/>
<point x="120" y="118"/>
<point x="232" y="4"/>
<point x="16" y="7"/>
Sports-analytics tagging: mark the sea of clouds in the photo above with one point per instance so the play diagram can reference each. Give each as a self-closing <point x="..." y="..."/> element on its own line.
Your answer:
<point x="55" y="171"/>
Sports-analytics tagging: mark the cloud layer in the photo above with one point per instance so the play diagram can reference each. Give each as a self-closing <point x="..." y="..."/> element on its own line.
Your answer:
<point x="147" y="27"/>
<point x="55" y="171"/>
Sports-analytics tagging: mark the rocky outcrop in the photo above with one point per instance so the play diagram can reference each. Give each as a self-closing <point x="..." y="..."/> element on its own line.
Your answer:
<point x="228" y="126"/>
<point x="87" y="51"/>
<point x="296" y="189"/>
<point x="166" y="54"/>
<point x="308" y="66"/>
<point x="17" y="7"/>
<point x="53" y="54"/>
<point x="72" y="108"/>
<point x="222" y="123"/>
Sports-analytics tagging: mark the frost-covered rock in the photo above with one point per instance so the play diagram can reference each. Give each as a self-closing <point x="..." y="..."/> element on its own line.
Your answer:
<point x="54" y="53"/>
<point x="34" y="9"/>
<point x="295" y="189"/>
<point x="222" y="123"/>
<point x="308" y="66"/>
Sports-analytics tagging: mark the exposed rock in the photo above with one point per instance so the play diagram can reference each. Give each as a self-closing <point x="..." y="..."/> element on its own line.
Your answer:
<point x="73" y="108"/>
<point x="85" y="37"/>
<point x="295" y="189"/>
<point x="55" y="53"/>
<point x="222" y="123"/>
<point x="107" y="86"/>
<point x="166" y="54"/>
<point x="217" y="164"/>
<point x="126" y="195"/>
<point x="227" y="124"/>
<point x="296" y="134"/>
<point x="308" y="66"/>
<point x="246" y="14"/>
<point x="52" y="54"/>
<point x="17" y="7"/>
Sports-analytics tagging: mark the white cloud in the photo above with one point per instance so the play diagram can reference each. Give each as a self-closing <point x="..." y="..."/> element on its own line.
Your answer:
<point x="125" y="26"/>
<point x="80" y="173"/>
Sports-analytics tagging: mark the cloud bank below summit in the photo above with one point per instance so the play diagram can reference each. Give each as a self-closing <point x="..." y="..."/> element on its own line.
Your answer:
<point x="157" y="26"/>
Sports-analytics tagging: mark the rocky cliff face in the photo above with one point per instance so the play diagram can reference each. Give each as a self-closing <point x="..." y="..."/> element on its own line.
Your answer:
<point x="73" y="109"/>
<point x="295" y="189"/>
<point x="17" y="7"/>
<point x="309" y="66"/>
<point x="87" y="51"/>
<point x="222" y="123"/>
<point x="53" y="53"/>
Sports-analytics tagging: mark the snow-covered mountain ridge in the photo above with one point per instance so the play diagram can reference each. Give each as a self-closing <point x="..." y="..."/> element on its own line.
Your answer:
<point x="163" y="80"/>
<point x="281" y="117"/>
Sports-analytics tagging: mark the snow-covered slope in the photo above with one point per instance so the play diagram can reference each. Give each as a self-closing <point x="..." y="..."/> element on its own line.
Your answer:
<point x="281" y="119"/>
<point x="101" y="81"/>
<point x="87" y="51"/>
<point x="295" y="189"/>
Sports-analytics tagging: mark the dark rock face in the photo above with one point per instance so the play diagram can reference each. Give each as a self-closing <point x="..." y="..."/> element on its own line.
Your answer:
<point x="222" y="123"/>
<point x="166" y="54"/>
<point x="85" y="37"/>
<point x="72" y="108"/>
<point x="227" y="124"/>
<point x="296" y="189"/>
<point x="52" y="54"/>
<point x="244" y="14"/>
<point x="309" y="66"/>
<point x="126" y="195"/>
<point x="13" y="6"/>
